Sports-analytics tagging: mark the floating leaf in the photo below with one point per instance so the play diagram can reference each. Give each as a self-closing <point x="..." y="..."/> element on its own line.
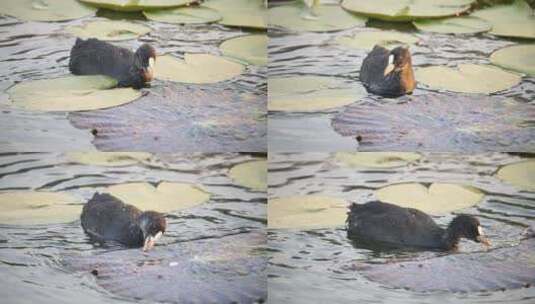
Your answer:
<point x="45" y="10"/>
<point x="326" y="18"/>
<point x="306" y="212"/>
<point x="109" y="30"/>
<point x="517" y="58"/>
<point x="406" y="10"/>
<point x="377" y="159"/>
<point x="510" y="20"/>
<point x="136" y="5"/>
<point x="454" y="25"/>
<point x="166" y="197"/>
<point x="367" y="40"/>
<point x="252" y="175"/>
<point x="311" y="93"/>
<point x="184" y="15"/>
<point x="196" y="68"/>
<point x="241" y="13"/>
<point x="438" y="198"/>
<point x="251" y="49"/>
<point x="520" y="174"/>
<point x="37" y="208"/>
<point x="112" y="159"/>
<point x="467" y="78"/>
<point x="71" y="93"/>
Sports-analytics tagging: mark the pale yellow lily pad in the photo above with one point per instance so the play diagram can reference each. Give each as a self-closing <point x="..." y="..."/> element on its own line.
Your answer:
<point x="367" y="40"/>
<point x="454" y="25"/>
<point x="45" y="10"/>
<point x="520" y="174"/>
<point x="311" y="93"/>
<point x="520" y="58"/>
<point x="71" y="93"/>
<point x="377" y="159"/>
<point x="306" y="212"/>
<point x="252" y="175"/>
<point x="109" y="30"/>
<point x="196" y="68"/>
<point x="108" y="159"/>
<point x="438" y="198"/>
<point x="467" y="78"/>
<point x="184" y="15"/>
<point x="240" y="13"/>
<point x="326" y="18"/>
<point x="510" y="20"/>
<point x="166" y="197"/>
<point x="250" y="49"/>
<point x="38" y="208"/>
<point x="136" y="5"/>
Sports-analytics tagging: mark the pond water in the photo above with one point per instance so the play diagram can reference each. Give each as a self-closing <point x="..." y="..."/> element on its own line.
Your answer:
<point x="32" y="258"/>
<point x="318" y="265"/>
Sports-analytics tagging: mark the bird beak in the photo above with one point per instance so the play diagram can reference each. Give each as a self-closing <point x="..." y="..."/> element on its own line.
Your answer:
<point x="151" y="240"/>
<point x="390" y="67"/>
<point x="149" y="71"/>
<point x="483" y="240"/>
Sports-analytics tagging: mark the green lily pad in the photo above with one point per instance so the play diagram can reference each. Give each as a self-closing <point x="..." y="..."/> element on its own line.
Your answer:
<point x="38" y="208"/>
<point x="510" y="20"/>
<point x="367" y="40"/>
<point x="311" y="93"/>
<point x="240" y="13"/>
<point x="45" y="10"/>
<point x="71" y="93"/>
<point x="377" y="159"/>
<point x="196" y="68"/>
<point x="438" y="198"/>
<point x="165" y="197"/>
<point x="306" y="212"/>
<point x="467" y="78"/>
<point x="136" y="5"/>
<point x="108" y="159"/>
<point x="252" y="175"/>
<point x="109" y="30"/>
<point x="454" y="25"/>
<point x="327" y="18"/>
<point x="407" y="10"/>
<point x="518" y="58"/>
<point x="520" y="174"/>
<point x="184" y="15"/>
<point x="251" y="49"/>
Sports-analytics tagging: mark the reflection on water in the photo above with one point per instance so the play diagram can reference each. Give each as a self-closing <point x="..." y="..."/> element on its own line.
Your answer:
<point x="30" y="256"/>
<point x="315" y="265"/>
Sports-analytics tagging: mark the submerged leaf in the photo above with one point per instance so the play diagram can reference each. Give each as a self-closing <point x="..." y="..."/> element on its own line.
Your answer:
<point x="367" y="40"/>
<point x="184" y="15"/>
<point x="109" y="30"/>
<point x="251" y="174"/>
<point x="112" y="159"/>
<point x="520" y="175"/>
<point x="454" y="25"/>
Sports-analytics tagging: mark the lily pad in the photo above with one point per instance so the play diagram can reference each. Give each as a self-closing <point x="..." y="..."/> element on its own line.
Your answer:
<point x="367" y="40"/>
<point x="136" y="5"/>
<point x="467" y="78"/>
<point x="45" y="10"/>
<point x="454" y="25"/>
<point x="111" y="159"/>
<point x="165" y="197"/>
<point x="438" y="198"/>
<point x="240" y="13"/>
<point x="407" y="10"/>
<point x="71" y="93"/>
<point x="251" y="175"/>
<point x="520" y="174"/>
<point x="327" y="18"/>
<point x="311" y="93"/>
<point x="251" y="49"/>
<point x="38" y="208"/>
<point x="306" y="212"/>
<point x="517" y="58"/>
<point x="377" y="159"/>
<point x="196" y="68"/>
<point x="510" y="20"/>
<point x="109" y="30"/>
<point x="184" y="15"/>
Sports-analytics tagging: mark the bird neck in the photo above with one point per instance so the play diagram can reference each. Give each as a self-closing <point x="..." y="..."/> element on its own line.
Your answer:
<point x="450" y="239"/>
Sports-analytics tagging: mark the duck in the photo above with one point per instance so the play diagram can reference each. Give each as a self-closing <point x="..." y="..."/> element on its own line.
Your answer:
<point x="106" y="218"/>
<point x="396" y="226"/>
<point x="96" y="57"/>
<point x="388" y="73"/>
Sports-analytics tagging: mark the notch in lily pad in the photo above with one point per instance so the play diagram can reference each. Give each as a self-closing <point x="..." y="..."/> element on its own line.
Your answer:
<point x="136" y="5"/>
<point x="240" y="13"/>
<point x="45" y="10"/>
<point x="454" y="25"/>
<point x="377" y="159"/>
<point x="368" y="39"/>
<point x="184" y="15"/>
<point x="108" y="159"/>
<point x="251" y="49"/>
<point x="109" y="30"/>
